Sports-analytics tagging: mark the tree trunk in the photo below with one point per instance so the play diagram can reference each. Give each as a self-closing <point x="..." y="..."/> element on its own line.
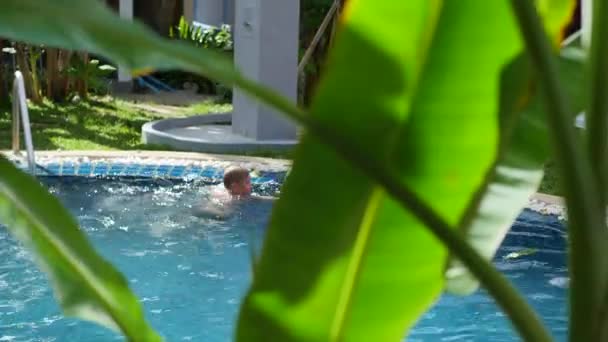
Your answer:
<point x="81" y="83"/>
<point x="57" y="83"/>
<point x="113" y="4"/>
<point x="159" y="15"/>
<point x="34" y="55"/>
<point x="24" y="67"/>
<point x="4" y="79"/>
<point x="3" y="86"/>
<point x="51" y="72"/>
<point x="65" y="56"/>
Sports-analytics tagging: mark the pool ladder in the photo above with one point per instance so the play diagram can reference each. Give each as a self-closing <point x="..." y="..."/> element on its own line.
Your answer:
<point x="20" y="108"/>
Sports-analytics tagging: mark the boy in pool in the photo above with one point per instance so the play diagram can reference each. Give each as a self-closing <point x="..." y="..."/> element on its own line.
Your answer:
<point x="237" y="188"/>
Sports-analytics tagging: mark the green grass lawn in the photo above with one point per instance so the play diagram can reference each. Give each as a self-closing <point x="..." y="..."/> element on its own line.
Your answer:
<point x="206" y="107"/>
<point x="98" y="124"/>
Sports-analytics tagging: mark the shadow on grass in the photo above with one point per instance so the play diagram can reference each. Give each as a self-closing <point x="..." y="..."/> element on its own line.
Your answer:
<point x="85" y="124"/>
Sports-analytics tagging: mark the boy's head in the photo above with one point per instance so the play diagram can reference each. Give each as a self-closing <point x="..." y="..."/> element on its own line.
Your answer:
<point x="237" y="181"/>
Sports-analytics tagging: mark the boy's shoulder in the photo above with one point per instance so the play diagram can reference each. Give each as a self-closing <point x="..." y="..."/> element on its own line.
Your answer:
<point x="217" y="204"/>
<point x="215" y="209"/>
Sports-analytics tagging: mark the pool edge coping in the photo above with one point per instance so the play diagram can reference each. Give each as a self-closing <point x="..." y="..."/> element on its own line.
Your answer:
<point x="549" y="199"/>
<point x="198" y="156"/>
<point x="144" y="156"/>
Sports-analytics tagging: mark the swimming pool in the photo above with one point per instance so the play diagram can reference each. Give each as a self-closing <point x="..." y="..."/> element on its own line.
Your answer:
<point x="191" y="273"/>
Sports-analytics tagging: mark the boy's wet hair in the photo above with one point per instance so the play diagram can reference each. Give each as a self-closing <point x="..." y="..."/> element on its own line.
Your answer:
<point x="234" y="175"/>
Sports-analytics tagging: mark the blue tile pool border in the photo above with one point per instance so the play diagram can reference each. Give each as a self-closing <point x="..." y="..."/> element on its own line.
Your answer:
<point x="108" y="169"/>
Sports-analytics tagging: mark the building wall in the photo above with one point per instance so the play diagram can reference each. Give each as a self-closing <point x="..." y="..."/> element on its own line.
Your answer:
<point x="212" y="12"/>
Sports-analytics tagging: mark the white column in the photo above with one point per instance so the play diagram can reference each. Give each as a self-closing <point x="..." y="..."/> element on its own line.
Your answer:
<point x="209" y="12"/>
<point x="586" y="21"/>
<point x="586" y="31"/>
<point x="266" y="50"/>
<point x="229" y="12"/>
<point x="126" y="12"/>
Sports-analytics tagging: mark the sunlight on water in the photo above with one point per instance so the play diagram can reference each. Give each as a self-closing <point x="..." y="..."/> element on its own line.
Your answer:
<point x="191" y="273"/>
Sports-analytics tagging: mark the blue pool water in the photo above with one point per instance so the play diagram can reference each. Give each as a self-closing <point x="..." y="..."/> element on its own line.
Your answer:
<point x="191" y="273"/>
<point x="541" y="276"/>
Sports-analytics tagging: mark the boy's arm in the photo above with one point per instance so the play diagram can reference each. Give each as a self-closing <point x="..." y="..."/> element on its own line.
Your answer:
<point x="216" y="212"/>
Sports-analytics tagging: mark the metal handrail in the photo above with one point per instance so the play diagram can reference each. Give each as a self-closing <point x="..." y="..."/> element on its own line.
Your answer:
<point x="579" y="120"/>
<point x="572" y="38"/>
<point x="20" y="108"/>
